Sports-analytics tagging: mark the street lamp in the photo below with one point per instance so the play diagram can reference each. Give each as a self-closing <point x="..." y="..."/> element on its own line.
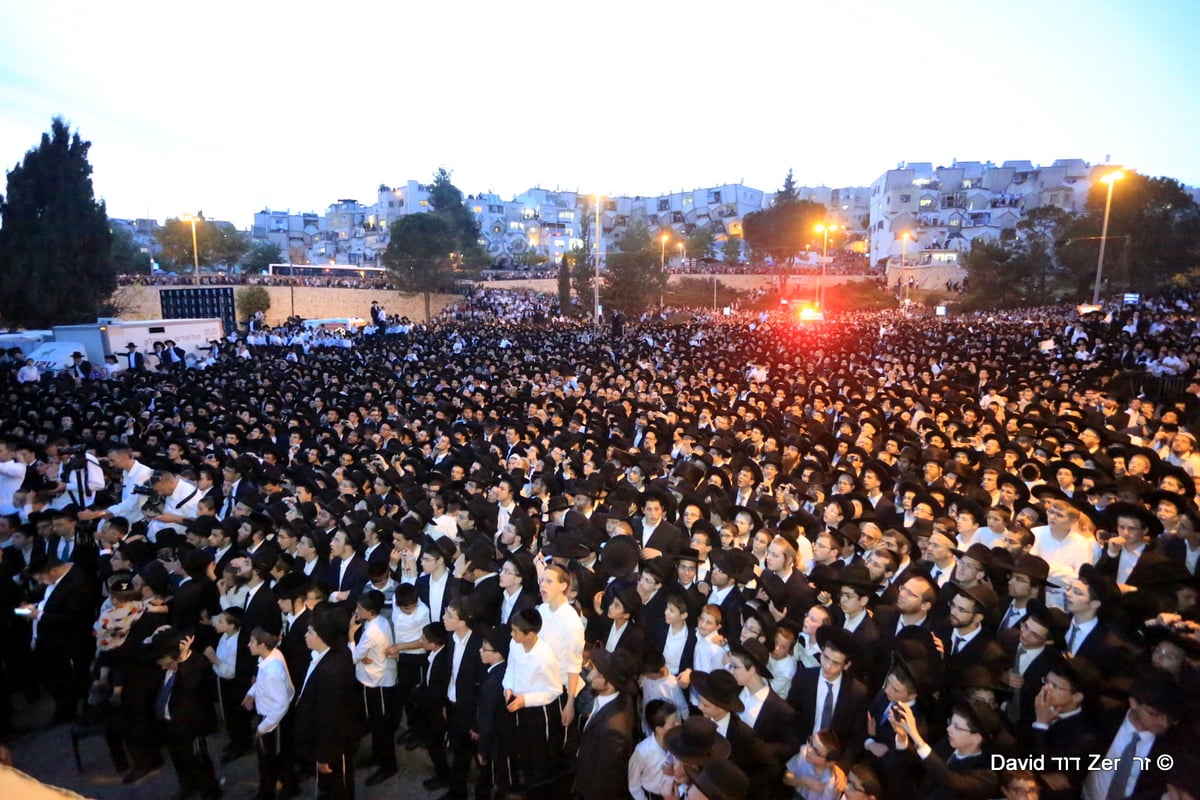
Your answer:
<point x="1111" y="178"/>
<point x="904" y="237"/>
<point x="824" y="230"/>
<point x="195" y="251"/>
<point x="682" y="254"/>
<point x="596" y="264"/>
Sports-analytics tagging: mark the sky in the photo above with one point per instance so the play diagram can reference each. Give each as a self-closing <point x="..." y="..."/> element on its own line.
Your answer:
<point x="229" y="108"/>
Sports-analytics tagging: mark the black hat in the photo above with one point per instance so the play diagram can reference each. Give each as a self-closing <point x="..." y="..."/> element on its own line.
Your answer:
<point x="981" y="717"/>
<point x="982" y="594"/>
<point x="978" y="551"/>
<point x="695" y="741"/>
<point x="841" y="639"/>
<point x="558" y="503"/>
<point x="618" y="668"/>
<point x="857" y="576"/>
<point x="1147" y="517"/>
<point x="154" y="575"/>
<point x="1032" y="566"/>
<point x="719" y="780"/>
<point x="331" y="624"/>
<point x="756" y="653"/>
<point x="568" y="543"/>
<point x="719" y="688"/>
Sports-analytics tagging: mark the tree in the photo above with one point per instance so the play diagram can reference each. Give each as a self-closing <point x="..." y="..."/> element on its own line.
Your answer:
<point x="702" y="243"/>
<point x="787" y="192"/>
<point x="783" y="230"/>
<point x="262" y="254"/>
<point x="220" y="246"/>
<point x="252" y="299"/>
<point x="446" y="201"/>
<point x="55" y="242"/>
<point x="633" y="278"/>
<point x="1153" y="233"/>
<point x="731" y="250"/>
<point x="999" y="274"/>
<point x="127" y="257"/>
<point x="419" y="255"/>
<point x="564" y="285"/>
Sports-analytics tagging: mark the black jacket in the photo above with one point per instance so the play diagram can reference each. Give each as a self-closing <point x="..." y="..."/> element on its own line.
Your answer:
<point x="849" y="712"/>
<point x="328" y="710"/>
<point x="605" y="746"/>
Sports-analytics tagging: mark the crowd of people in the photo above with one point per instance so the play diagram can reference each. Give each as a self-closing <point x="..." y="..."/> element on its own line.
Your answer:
<point x="888" y="556"/>
<point x="249" y="279"/>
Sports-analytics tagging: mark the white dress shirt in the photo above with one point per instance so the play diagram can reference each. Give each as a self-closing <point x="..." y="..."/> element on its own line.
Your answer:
<point x="1097" y="783"/>
<point x="673" y="649"/>
<point x="534" y="674"/>
<point x="376" y="639"/>
<point x="753" y="703"/>
<point x="456" y="659"/>
<point x="272" y="691"/>
<point x="226" y="652"/>
<point x="822" y="689"/>
<point x="563" y="631"/>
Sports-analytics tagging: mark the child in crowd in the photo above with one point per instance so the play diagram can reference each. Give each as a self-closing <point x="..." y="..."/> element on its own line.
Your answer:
<point x="646" y="775"/>
<point x="812" y="772"/>
<point x="659" y="684"/>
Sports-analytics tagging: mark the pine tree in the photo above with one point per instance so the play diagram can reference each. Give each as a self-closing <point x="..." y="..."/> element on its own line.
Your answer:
<point x="55" y="244"/>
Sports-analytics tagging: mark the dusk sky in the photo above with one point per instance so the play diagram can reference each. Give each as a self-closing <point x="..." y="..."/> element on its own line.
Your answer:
<point x="232" y="107"/>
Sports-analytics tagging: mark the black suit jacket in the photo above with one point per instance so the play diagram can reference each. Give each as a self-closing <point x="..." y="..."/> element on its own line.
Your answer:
<point x="776" y="726"/>
<point x="970" y="778"/>
<point x="193" y="697"/>
<point x="262" y="612"/>
<point x="1074" y="736"/>
<point x="605" y="746"/>
<point x="430" y="696"/>
<point x="466" y="683"/>
<point x="981" y="650"/>
<point x="666" y="537"/>
<point x="423" y="594"/>
<point x="190" y="600"/>
<point x="65" y="623"/>
<point x="493" y="723"/>
<point x="295" y="650"/>
<point x="485" y="598"/>
<point x="328" y="711"/>
<point x="794" y="597"/>
<point x="354" y="581"/>
<point x="753" y="757"/>
<point x="849" y="712"/>
<point x="900" y="770"/>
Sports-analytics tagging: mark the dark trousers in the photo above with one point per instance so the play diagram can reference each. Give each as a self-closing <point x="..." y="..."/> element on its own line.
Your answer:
<point x="239" y="722"/>
<point x="338" y="784"/>
<point x="495" y="777"/>
<point x="65" y="675"/>
<point x="408" y="678"/>
<point x="193" y="765"/>
<point x="268" y="746"/>
<point x="539" y="742"/>
<point x="379" y="703"/>
<point x="462" y="751"/>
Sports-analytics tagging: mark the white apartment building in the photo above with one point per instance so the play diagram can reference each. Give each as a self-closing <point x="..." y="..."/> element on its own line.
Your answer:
<point x="944" y="209"/>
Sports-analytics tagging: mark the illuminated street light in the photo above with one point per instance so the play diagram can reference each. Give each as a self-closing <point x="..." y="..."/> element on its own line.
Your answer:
<point x="196" y="252"/>
<point x="596" y="264"/>
<point x="904" y="237"/>
<point x="824" y="230"/>
<point x="662" y="265"/>
<point x="1111" y="178"/>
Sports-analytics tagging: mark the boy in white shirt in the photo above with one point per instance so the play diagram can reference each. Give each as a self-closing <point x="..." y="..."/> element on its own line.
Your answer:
<point x="813" y="772"/>
<point x="409" y="618"/>
<point x="376" y="674"/>
<point x="270" y="696"/>
<point x="646" y="775"/>
<point x="532" y="687"/>
<point x="224" y="660"/>
<point x="659" y="684"/>
<point x="712" y="651"/>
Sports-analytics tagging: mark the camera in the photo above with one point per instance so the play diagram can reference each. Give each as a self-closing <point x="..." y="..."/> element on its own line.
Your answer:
<point x="73" y="450"/>
<point x="146" y="489"/>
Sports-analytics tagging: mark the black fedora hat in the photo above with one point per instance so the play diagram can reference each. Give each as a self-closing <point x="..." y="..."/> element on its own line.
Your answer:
<point x="719" y="688"/>
<point x="756" y="653"/>
<point x="719" y="780"/>
<point x="840" y="639"/>
<point x="1139" y="512"/>
<point x="618" y="668"/>
<point x="696" y="741"/>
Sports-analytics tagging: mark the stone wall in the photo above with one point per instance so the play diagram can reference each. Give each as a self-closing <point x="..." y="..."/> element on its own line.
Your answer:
<point x="141" y="302"/>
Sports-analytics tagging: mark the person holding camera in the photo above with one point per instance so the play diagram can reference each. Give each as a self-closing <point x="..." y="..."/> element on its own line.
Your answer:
<point x="133" y="474"/>
<point x="181" y="502"/>
<point x="80" y="475"/>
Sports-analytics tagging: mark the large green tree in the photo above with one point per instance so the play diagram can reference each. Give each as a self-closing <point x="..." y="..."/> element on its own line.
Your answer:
<point x="784" y="229"/>
<point x="731" y="250"/>
<point x="447" y="201"/>
<point x="1001" y="274"/>
<point x="219" y="246"/>
<point x="702" y="243"/>
<point x="55" y="243"/>
<point x="1153" y="234"/>
<point x="421" y="255"/>
<point x="262" y="254"/>
<point x="633" y="278"/>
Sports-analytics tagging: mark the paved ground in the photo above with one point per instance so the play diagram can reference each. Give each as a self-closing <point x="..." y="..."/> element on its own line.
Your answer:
<point x="45" y="753"/>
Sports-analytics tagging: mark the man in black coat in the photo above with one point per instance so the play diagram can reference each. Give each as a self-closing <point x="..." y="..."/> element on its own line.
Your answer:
<point x="606" y="738"/>
<point x="957" y="768"/>
<point x="653" y="532"/>
<point x="262" y="611"/>
<point x="186" y="704"/>
<point x="720" y="703"/>
<point x="62" y="638"/>
<point x="328" y="715"/>
<point x="462" y="697"/>
<point x="846" y="713"/>
<point x="493" y="730"/>
<point x="1061" y="729"/>
<point x="347" y="569"/>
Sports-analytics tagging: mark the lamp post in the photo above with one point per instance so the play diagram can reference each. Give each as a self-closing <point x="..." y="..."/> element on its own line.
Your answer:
<point x="195" y="250"/>
<point x="1111" y="178"/>
<point x="904" y="237"/>
<point x="596" y="265"/>
<point x="824" y="230"/>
